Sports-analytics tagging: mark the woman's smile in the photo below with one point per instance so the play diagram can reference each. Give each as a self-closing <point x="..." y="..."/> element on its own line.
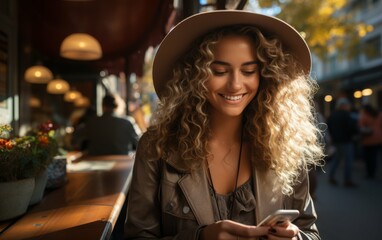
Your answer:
<point x="233" y="98"/>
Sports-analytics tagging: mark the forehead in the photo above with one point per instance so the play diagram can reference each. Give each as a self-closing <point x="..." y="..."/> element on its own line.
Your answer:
<point x="234" y="46"/>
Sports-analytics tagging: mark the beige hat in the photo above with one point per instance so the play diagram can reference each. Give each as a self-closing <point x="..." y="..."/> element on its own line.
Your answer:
<point x="180" y="39"/>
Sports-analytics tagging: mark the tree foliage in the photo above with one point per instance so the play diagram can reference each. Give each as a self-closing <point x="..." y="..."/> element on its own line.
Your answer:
<point x="327" y="25"/>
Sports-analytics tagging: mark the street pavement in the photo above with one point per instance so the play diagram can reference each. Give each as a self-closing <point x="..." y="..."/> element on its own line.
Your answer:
<point x="349" y="213"/>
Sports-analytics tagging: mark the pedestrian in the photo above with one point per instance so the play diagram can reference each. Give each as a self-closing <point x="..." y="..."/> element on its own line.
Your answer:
<point x="233" y="135"/>
<point x="343" y="129"/>
<point x="370" y="125"/>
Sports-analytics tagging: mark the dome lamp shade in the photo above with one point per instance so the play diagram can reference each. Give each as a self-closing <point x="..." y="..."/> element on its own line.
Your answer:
<point x="57" y="86"/>
<point x="81" y="46"/>
<point x="72" y="95"/>
<point x="82" y="102"/>
<point x="38" y="74"/>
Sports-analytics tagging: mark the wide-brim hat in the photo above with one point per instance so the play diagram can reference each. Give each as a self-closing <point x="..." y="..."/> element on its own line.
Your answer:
<point x="180" y="39"/>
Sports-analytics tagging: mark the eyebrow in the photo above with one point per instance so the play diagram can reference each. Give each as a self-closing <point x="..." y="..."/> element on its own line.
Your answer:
<point x="227" y="64"/>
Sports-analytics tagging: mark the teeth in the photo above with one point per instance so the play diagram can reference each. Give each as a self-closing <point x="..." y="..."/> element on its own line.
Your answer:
<point x="233" y="98"/>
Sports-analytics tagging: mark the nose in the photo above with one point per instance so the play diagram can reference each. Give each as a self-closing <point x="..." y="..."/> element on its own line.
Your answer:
<point x="235" y="82"/>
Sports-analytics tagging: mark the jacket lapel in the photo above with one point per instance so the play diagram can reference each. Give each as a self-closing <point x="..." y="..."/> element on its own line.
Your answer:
<point x="269" y="197"/>
<point x="195" y="189"/>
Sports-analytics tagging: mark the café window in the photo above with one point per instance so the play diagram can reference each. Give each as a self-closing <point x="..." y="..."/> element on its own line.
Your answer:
<point x="373" y="48"/>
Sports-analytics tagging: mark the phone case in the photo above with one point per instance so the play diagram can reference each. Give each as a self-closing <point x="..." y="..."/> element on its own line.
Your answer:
<point x="279" y="217"/>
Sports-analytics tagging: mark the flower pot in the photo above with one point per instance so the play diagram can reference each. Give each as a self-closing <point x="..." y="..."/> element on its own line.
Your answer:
<point x="15" y="197"/>
<point x="56" y="172"/>
<point x="39" y="188"/>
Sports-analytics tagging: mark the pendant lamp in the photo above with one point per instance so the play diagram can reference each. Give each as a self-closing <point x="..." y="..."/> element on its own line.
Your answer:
<point x="57" y="86"/>
<point x="82" y="102"/>
<point x="72" y="95"/>
<point x="38" y="74"/>
<point x="34" y="102"/>
<point x="81" y="46"/>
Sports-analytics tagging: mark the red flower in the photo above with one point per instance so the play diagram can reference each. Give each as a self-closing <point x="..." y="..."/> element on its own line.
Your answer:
<point x="2" y="142"/>
<point x="44" y="140"/>
<point x="47" y="126"/>
<point x="9" y="145"/>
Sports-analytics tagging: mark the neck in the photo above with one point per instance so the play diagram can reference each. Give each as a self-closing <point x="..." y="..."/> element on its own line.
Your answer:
<point x="226" y="129"/>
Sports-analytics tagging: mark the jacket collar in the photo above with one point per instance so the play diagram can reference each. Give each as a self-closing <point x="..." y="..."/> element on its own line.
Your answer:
<point x="173" y="161"/>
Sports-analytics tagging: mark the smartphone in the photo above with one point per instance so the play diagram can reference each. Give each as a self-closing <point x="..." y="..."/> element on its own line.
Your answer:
<point x="279" y="217"/>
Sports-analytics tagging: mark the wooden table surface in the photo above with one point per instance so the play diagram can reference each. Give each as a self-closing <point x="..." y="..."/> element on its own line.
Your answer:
<point x="86" y="207"/>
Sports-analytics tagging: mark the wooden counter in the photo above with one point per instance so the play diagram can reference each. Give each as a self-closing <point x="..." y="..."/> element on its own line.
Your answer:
<point x="86" y="207"/>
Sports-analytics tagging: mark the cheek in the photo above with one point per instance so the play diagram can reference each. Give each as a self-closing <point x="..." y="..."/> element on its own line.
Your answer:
<point x="211" y="97"/>
<point x="254" y="83"/>
<point x="213" y="84"/>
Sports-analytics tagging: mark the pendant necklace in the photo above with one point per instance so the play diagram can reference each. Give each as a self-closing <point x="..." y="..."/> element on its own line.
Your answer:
<point x="233" y="196"/>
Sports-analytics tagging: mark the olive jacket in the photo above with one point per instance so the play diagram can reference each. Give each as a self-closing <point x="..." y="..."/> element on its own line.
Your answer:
<point x="167" y="202"/>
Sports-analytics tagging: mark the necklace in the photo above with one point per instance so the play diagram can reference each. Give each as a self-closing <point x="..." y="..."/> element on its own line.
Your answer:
<point x="232" y="201"/>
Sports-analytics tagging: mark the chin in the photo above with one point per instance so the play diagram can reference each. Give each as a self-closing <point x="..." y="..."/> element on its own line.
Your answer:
<point x="233" y="114"/>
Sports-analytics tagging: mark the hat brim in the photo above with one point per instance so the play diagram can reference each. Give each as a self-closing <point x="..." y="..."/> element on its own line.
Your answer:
<point x="179" y="40"/>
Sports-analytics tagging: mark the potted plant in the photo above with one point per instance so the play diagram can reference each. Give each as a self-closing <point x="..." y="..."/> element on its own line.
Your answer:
<point x="44" y="148"/>
<point x="22" y="161"/>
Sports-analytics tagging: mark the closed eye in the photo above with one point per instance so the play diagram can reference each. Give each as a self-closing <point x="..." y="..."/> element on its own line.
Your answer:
<point x="219" y="72"/>
<point x="248" y="73"/>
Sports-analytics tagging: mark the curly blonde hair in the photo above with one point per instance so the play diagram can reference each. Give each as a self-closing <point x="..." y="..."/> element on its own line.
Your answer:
<point x="279" y="122"/>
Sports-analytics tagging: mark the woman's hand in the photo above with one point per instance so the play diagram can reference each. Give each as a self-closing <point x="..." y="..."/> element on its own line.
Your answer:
<point x="287" y="231"/>
<point x="230" y="230"/>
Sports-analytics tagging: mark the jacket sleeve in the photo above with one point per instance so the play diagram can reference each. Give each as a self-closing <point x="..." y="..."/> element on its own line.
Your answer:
<point x="302" y="201"/>
<point x="144" y="213"/>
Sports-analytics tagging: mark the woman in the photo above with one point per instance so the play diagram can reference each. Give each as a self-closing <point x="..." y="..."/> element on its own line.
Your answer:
<point x="233" y="134"/>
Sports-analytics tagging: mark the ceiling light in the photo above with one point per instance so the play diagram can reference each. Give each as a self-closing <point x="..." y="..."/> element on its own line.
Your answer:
<point x="328" y="98"/>
<point x="72" y="95"/>
<point x="367" y="92"/>
<point x="81" y="46"/>
<point x="38" y="74"/>
<point x="82" y="102"/>
<point x="57" y="86"/>
<point x="357" y="94"/>
<point x="34" y="102"/>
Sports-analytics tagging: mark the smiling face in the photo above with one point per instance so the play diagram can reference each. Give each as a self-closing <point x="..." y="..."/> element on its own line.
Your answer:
<point x="235" y="76"/>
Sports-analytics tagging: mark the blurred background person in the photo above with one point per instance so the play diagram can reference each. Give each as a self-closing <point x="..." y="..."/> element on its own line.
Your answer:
<point x="108" y="134"/>
<point x="342" y="128"/>
<point x="370" y="124"/>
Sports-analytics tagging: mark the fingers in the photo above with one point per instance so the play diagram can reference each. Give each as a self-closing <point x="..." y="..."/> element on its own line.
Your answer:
<point x="280" y="233"/>
<point x="231" y="230"/>
<point x="242" y="230"/>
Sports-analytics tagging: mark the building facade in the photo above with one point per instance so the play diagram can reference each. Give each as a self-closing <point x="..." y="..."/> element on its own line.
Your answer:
<point x="359" y="78"/>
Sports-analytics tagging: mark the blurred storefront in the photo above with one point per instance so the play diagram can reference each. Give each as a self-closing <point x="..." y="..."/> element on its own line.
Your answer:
<point x="359" y="78"/>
